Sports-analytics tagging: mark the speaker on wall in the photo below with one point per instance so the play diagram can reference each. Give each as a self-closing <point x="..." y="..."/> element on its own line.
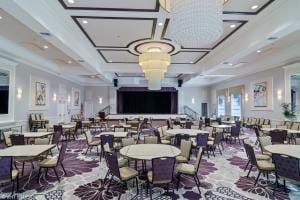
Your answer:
<point x="115" y="82"/>
<point x="180" y="82"/>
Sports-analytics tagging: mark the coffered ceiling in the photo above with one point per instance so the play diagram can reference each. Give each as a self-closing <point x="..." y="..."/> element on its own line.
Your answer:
<point x="107" y="36"/>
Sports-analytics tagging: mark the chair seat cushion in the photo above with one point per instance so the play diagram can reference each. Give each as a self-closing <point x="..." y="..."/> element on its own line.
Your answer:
<point x="14" y="174"/>
<point x="265" y="165"/>
<point x="127" y="173"/>
<point x="165" y="141"/>
<point x="122" y="162"/>
<point x="94" y="143"/>
<point x="185" y="168"/>
<point x="49" y="162"/>
<point x="210" y="143"/>
<point x="262" y="157"/>
<point x="211" y="138"/>
<point x="150" y="178"/>
<point x="181" y="159"/>
<point x="267" y="153"/>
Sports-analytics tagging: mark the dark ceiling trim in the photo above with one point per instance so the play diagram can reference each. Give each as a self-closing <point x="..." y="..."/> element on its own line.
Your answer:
<point x="170" y="52"/>
<point x="166" y="24"/>
<point x="156" y="9"/>
<point x="196" y="61"/>
<point x="114" y="62"/>
<point x="249" y="13"/>
<point x="119" y="76"/>
<point x="242" y="23"/>
<point x="154" y="20"/>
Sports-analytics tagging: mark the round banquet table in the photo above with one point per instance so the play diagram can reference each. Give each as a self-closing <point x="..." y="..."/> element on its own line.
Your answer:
<point x="149" y="151"/>
<point x="191" y="132"/>
<point x="289" y="150"/>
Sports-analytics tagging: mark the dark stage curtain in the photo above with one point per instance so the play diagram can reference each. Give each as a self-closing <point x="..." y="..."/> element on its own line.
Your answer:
<point x="137" y="100"/>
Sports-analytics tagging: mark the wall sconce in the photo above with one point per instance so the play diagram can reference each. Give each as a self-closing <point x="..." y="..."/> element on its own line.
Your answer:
<point x="279" y="94"/>
<point x="69" y="99"/>
<point x="19" y="93"/>
<point x="246" y="97"/>
<point x="54" y="96"/>
<point x="193" y="100"/>
<point x="100" y="100"/>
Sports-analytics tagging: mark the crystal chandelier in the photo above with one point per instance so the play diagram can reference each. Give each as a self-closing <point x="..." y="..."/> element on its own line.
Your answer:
<point x="154" y="64"/>
<point x="196" y="23"/>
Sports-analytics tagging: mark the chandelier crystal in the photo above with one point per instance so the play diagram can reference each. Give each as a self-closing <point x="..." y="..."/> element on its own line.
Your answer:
<point x="196" y="23"/>
<point x="154" y="64"/>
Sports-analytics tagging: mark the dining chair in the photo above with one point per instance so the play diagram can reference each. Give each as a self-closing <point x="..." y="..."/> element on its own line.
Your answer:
<point x="164" y="138"/>
<point x="127" y="141"/>
<point x="123" y="174"/>
<point x="7" y="140"/>
<point x="235" y="134"/>
<point x="286" y="168"/>
<point x="151" y="140"/>
<point x="58" y="132"/>
<point x="8" y="173"/>
<point x="263" y="142"/>
<point x="213" y="144"/>
<point x="53" y="163"/>
<point x="278" y="136"/>
<point x="79" y="127"/>
<point x="188" y="125"/>
<point x="190" y="170"/>
<point x="17" y="139"/>
<point x="201" y="142"/>
<point x="161" y="173"/>
<point x="262" y="165"/>
<point x="185" y="148"/>
<point x="179" y="137"/>
<point x="91" y="142"/>
<point x="206" y="121"/>
<point x="106" y="138"/>
<point x="200" y="124"/>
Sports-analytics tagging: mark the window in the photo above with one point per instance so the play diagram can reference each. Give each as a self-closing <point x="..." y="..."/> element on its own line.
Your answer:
<point x="221" y="105"/>
<point x="236" y="108"/>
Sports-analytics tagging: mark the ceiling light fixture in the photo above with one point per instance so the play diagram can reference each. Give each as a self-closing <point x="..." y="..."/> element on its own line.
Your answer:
<point x="196" y="23"/>
<point x="258" y="51"/>
<point x="69" y="62"/>
<point x="110" y="61"/>
<point x="45" y="47"/>
<point x="232" y="26"/>
<point x="254" y="7"/>
<point x="85" y="21"/>
<point x="0" y="17"/>
<point x="160" y="24"/>
<point x="154" y="64"/>
<point x="71" y="1"/>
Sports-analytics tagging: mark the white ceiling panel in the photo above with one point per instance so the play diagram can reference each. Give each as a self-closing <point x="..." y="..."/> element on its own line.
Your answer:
<point x="188" y="57"/>
<point x="118" y="56"/>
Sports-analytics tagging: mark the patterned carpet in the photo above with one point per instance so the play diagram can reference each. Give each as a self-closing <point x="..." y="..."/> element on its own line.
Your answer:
<point x="222" y="178"/>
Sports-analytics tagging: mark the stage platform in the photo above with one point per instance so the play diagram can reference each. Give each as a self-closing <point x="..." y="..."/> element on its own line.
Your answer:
<point x="152" y="116"/>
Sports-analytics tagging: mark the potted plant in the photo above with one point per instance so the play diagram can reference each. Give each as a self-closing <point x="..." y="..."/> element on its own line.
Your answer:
<point x="287" y="111"/>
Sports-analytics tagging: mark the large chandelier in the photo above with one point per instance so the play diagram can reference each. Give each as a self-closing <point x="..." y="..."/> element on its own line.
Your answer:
<point x="196" y="23"/>
<point x="154" y="64"/>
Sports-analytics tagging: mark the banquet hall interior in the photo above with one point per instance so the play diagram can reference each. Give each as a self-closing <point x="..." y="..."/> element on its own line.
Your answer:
<point x="150" y="99"/>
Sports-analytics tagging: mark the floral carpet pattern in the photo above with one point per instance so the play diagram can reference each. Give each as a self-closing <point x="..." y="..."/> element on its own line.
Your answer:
<point x="221" y="178"/>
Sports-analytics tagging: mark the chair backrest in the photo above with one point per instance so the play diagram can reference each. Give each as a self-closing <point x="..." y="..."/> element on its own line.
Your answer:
<point x="179" y="137"/>
<point x="185" y="147"/>
<point x="168" y="124"/>
<point x="261" y="121"/>
<point x="7" y="139"/>
<point x="188" y="125"/>
<point x="127" y="142"/>
<point x="112" y="163"/>
<point x="251" y="154"/>
<point x="264" y="141"/>
<point x="198" y="159"/>
<point x="56" y="136"/>
<point x="58" y="128"/>
<point x="207" y="121"/>
<point x="295" y="126"/>
<point x="62" y="152"/>
<point x="17" y="139"/>
<point x="235" y="131"/>
<point x="157" y="134"/>
<point x="238" y="124"/>
<point x="218" y="137"/>
<point x="107" y="138"/>
<point x="5" y="168"/>
<point x="256" y="131"/>
<point x="278" y="136"/>
<point x="219" y="120"/>
<point x="200" y="124"/>
<point x="89" y="137"/>
<point x="287" y="166"/>
<point x="202" y="139"/>
<point x="246" y="141"/>
<point x="210" y="130"/>
<point x="151" y="140"/>
<point x="78" y="125"/>
<point x="163" y="169"/>
<point x="288" y="124"/>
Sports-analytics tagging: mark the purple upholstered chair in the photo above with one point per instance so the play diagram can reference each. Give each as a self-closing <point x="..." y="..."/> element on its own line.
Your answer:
<point x="235" y="134"/>
<point x="278" y="136"/>
<point x="7" y="173"/>
<point x="286" y="167"/>
<point x="188" y="125"/>
<point x="17" y="139"/>
<point x="179" y="137"/>
<point x="106" y="138"/>
<point x="201" y="141"/>
<point x="124" y="174"/>
<point x="54" y="162"/>
<point x="162" y="172"/>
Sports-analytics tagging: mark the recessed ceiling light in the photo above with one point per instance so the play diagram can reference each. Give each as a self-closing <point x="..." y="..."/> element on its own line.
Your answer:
<point x="258" y="51"/>
<point x="71" y="1"/>
<point x="0" y="17"/>
<point x="85" y="21"/>
<point x="110" y="61"/>
<point x="232" y="26"/>
<point x="69" y="62"/>
<point x="254" y="7"/>
<point x="191" y="62"/>
<point x="93" y="76"/>
<point x="160" y="24"/>
<point x="45" y="47"/>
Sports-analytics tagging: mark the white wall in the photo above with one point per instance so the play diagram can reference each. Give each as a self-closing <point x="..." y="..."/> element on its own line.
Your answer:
<point x="278" y="76"/>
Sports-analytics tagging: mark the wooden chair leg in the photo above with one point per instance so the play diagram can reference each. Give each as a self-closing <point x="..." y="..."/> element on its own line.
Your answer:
<point x="54" y="169"/>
